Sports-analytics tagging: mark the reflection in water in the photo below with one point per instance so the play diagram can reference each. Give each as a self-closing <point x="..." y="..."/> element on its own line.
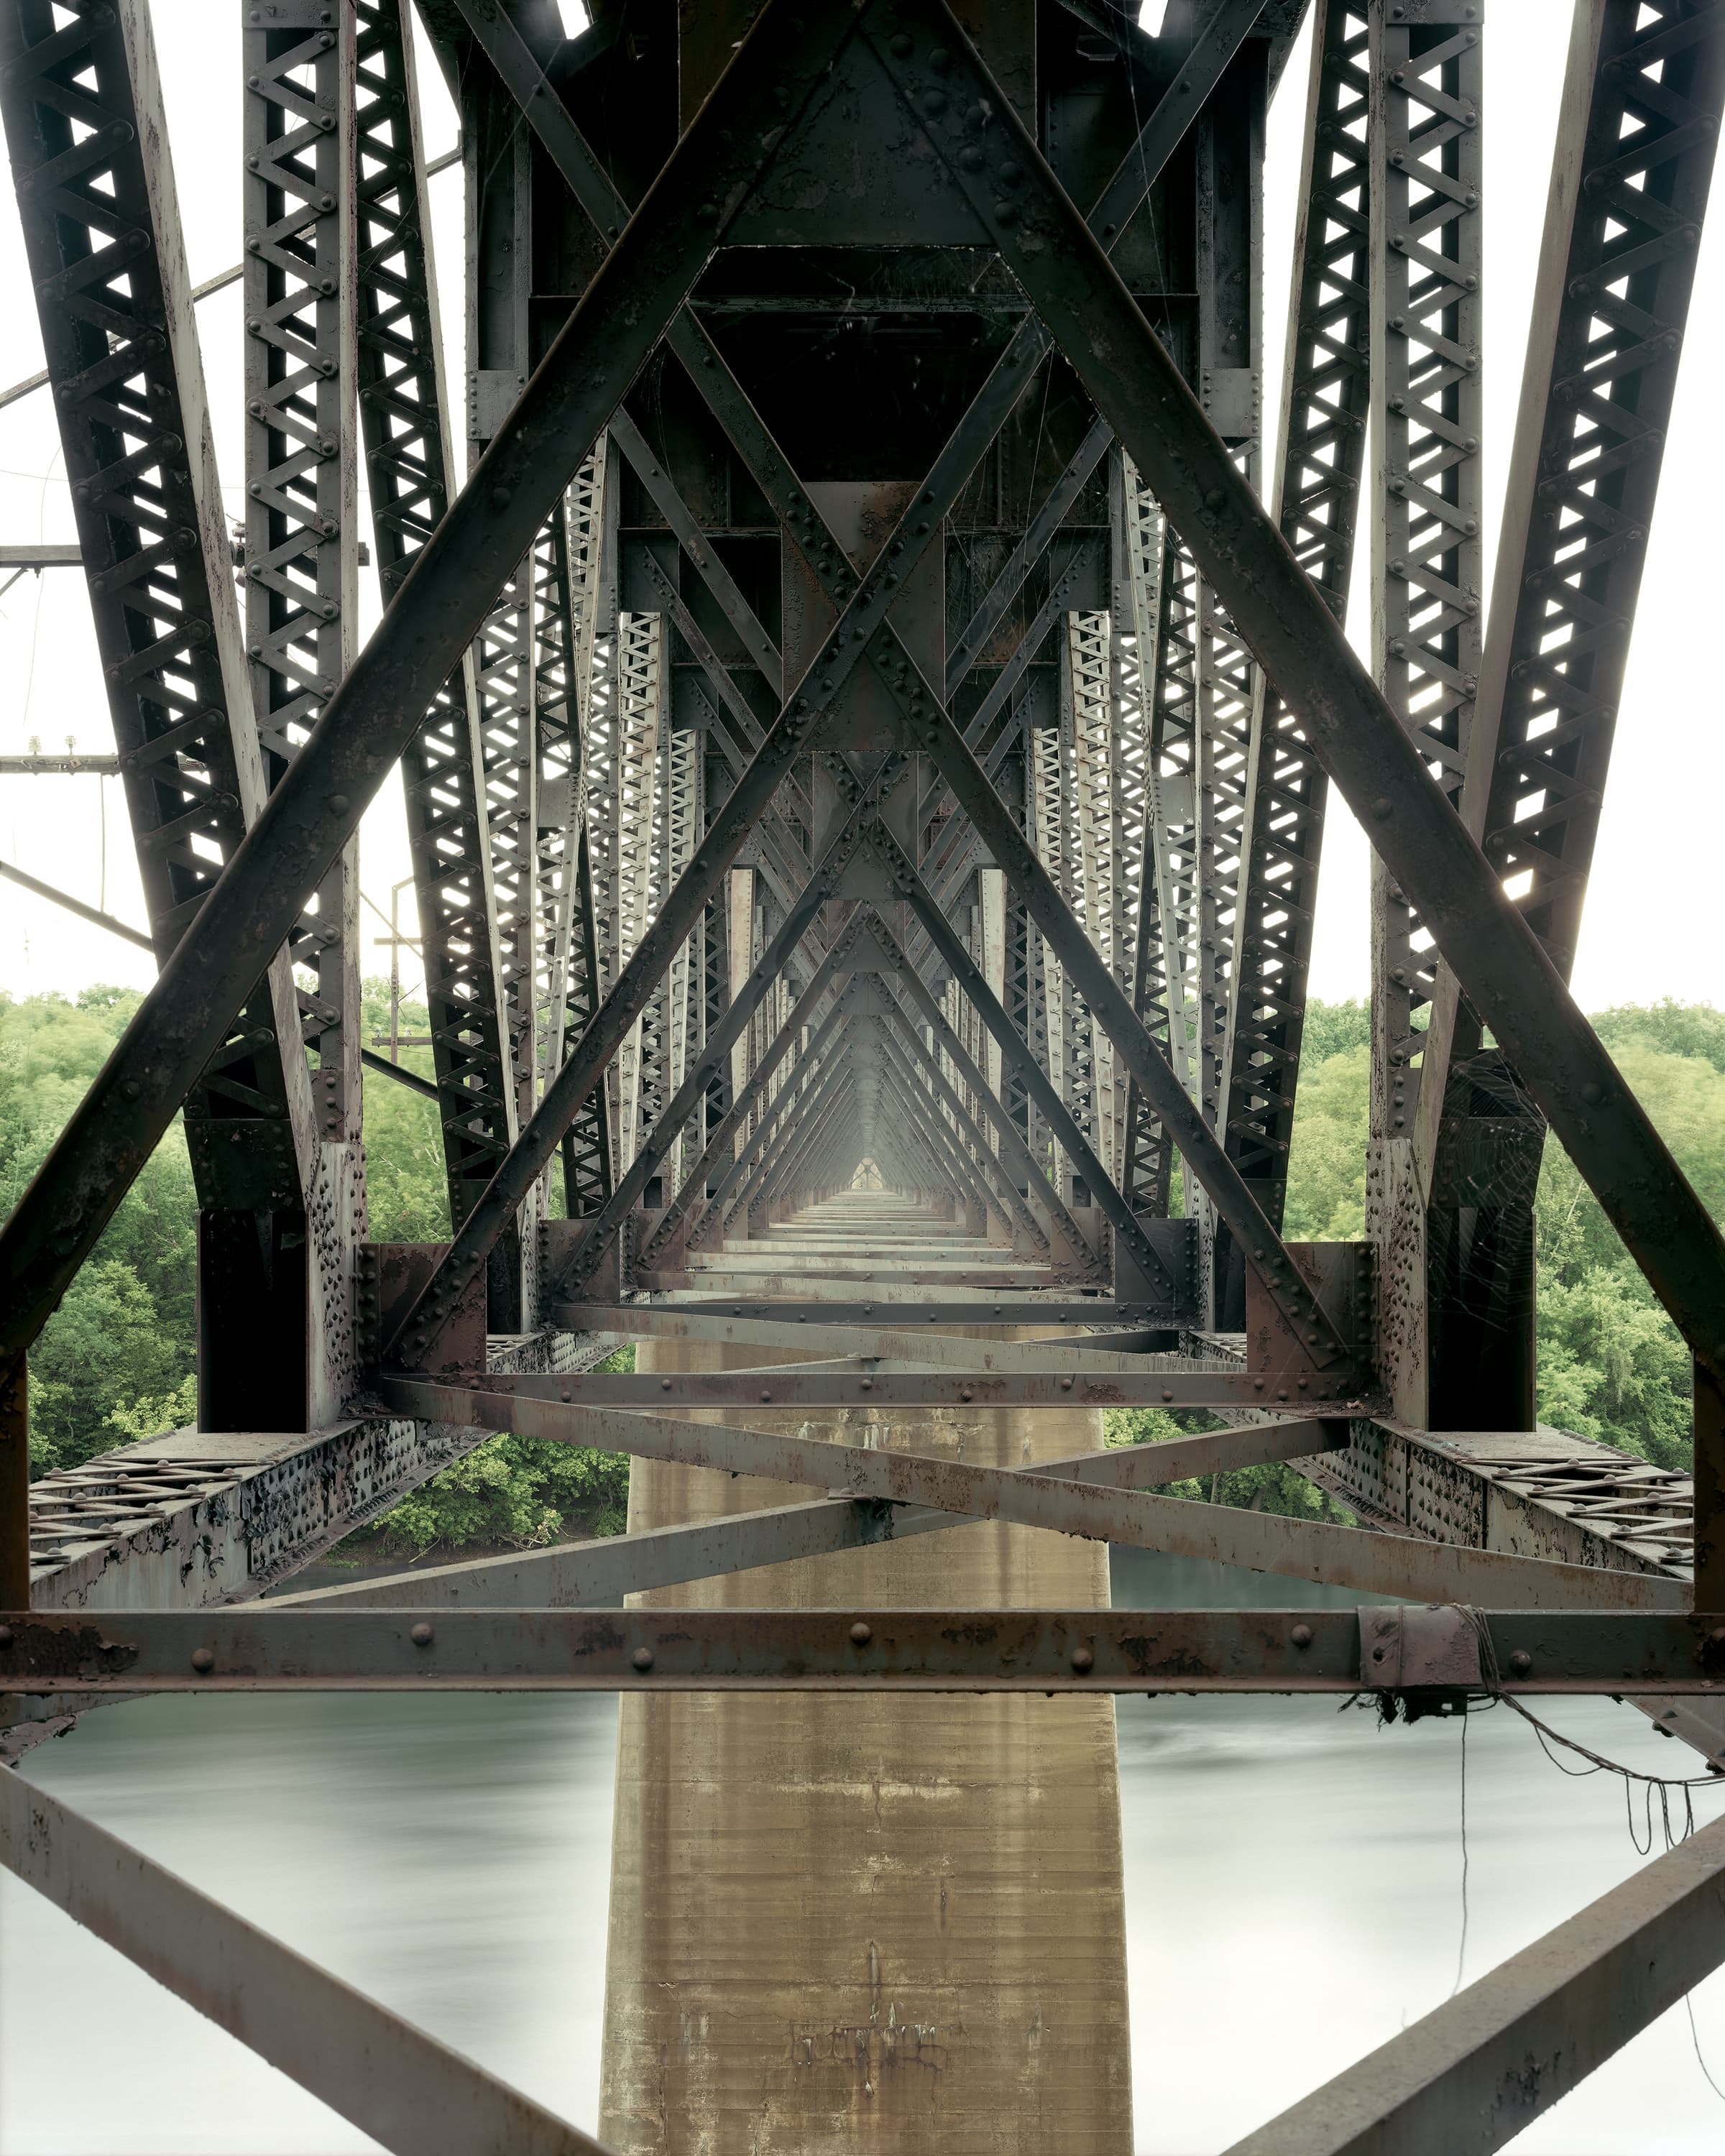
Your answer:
<point x="1293" y="1897"/>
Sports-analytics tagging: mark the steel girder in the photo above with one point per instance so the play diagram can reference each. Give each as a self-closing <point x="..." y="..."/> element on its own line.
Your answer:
<point x="405" y="433"/>
<point x="1326" y="395"/>
<point x="386" y="2076"/>
<point x="1433" y="1665"/>
<point x="302" y="547"/>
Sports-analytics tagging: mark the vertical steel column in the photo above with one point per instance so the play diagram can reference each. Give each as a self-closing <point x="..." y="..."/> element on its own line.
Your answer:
<point x="570" y="985"/>
<point x="406" y="432"/>
<point x="1138" y="551"/>
<point x="1229" y="247"/>
<point x="687" y="824"/>
<point x="641" y="689"/>
<point x="1088" y="651"/>
<point x="1427" y="567"/>
<point x="497" y="159"/>
<point x="301" y="629"/>
<point x="1042" y="772"/>
<point x="302" y="534"/>
<point x="1325" y="399"/>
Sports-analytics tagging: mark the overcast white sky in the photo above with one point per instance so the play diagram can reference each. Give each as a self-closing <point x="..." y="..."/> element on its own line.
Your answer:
<point x="1668" y="741"/>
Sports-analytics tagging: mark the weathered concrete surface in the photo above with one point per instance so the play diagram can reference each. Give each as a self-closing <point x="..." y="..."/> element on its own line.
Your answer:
<point x="845" y="1922"/>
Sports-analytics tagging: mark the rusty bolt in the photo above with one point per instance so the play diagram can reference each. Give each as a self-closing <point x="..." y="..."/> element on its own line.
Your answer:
<point x="203" y="1659"/>
<point x="5" y="1635"/>
<point x="642" y="1658"/>
<point x="1521" y="1661"/>
<point x="1301" y="1635"/>
<point x="421" y="1635"/>
<point x="1082" y="1660"/>
<point x="861" y="1634"/>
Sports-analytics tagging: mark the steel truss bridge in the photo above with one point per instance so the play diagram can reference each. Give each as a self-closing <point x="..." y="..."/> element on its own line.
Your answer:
<point x="866" y="722"/>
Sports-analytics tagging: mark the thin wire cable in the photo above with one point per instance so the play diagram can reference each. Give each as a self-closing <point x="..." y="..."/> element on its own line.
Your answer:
<point x="1695" y="2039"/>
<point x="1461" y="1950"/>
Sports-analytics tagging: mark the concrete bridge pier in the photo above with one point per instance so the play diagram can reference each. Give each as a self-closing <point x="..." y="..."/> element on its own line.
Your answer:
<point x="844" y="1921"/>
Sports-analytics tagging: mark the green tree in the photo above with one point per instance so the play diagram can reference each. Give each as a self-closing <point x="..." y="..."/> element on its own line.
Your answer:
<point x="121" y="1342"/>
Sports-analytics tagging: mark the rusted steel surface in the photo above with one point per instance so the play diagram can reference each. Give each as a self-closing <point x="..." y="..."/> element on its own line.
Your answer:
<point x="402" y="2087"/>
<point x="1310" y="1549"/>
<point x="1168" y="1386"/>
<point x="574" y="1575"/>
<point x="872" y="1329"/>
<point x="1470" y="2077"/>
<point x="274" y="1647"/>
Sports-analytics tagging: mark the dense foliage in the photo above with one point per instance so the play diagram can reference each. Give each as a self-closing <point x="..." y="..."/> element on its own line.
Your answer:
<point x="113" y="1364"/>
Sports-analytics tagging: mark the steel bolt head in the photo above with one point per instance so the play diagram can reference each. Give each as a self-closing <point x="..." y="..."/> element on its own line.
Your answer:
<point x="5" y="1635"/>
<point x="1520" y="1662"/>
<point x="1082" y="1660"/>
<point x="642" y="1658"/>
<point x="421" y="1635"/>
<point x="1301" y="1635"/>
<point x="203" y="1659"/>
<point x="861" y="1634"/>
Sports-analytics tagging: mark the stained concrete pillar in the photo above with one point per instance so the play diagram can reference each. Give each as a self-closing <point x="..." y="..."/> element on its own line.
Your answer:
<point x="842" y="1922"/>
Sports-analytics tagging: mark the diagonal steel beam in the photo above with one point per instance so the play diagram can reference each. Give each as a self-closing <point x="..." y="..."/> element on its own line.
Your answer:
<point x="986" y="1179"/>
<point x="1469" y="2078"/>
<point x="1511" y="981"/>
<point x="1263" y="1541"/>
<point x="800" y="918"/>
<point x="906" y="883"/>
<point x="579" y="1575"/>
<point x="902" y="977"/>
<point x="800" y="1121"/>
<point x="671" y="1235"/>
<point x="372" y="716"/>
<point x="391" y="2079"/>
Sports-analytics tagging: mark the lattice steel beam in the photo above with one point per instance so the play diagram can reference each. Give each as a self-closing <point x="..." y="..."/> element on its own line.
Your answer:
<point x="1325" y="399"/>
<point x="302" y="534"/>
<point x="406" y="438"/>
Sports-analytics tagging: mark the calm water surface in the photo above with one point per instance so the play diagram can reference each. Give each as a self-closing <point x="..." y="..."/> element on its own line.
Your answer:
<point x="1293" y="1882"/>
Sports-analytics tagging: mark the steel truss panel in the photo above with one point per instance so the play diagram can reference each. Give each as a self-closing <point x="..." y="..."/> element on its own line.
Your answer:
<point x="1427" y="78"/>
<point x="302" y="538"/>
<point x="406" y="435"/>
<point x="1315" y="503"/>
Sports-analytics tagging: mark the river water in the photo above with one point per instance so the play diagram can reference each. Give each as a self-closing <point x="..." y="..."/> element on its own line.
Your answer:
<point x="1293" y="1880"/>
